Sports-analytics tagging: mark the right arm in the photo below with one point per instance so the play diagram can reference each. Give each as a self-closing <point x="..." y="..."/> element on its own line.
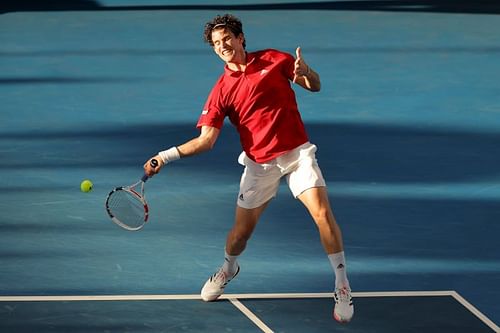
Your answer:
<point x="204" y="142"/>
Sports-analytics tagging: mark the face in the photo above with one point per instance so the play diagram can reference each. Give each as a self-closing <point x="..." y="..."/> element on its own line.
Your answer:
<point x="228" y="46"/>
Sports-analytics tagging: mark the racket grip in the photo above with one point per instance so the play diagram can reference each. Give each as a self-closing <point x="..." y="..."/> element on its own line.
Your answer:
<point x="145" y="178"/>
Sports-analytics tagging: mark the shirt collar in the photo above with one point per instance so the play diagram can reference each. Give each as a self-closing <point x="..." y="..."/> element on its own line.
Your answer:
<point x="250" y="60"/>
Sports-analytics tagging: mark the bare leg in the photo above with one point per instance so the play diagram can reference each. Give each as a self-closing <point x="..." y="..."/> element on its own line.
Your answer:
<point x="244" y="225"/>
<point x="316" y="201"/>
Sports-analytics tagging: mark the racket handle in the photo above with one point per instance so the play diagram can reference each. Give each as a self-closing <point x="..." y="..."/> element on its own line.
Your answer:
<point x="154" y="164"/>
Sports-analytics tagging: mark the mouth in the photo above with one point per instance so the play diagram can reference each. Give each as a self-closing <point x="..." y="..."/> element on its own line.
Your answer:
<point x="226" y="52"/>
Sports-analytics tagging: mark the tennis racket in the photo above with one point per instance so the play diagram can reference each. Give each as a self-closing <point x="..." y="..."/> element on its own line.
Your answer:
<point x="127" y="206"/>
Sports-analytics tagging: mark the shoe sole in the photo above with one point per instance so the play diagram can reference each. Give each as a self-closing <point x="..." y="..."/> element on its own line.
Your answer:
<point x="210" y="299"/>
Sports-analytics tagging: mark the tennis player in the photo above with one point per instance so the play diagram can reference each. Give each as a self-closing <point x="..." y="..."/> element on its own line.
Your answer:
<point x="255" y="93"/>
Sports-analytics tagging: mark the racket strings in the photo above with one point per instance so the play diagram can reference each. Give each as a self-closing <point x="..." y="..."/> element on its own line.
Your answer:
<point x="127" y="208"/>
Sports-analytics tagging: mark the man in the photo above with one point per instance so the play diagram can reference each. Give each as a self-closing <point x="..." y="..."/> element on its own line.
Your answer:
<point x="255" y="93"/>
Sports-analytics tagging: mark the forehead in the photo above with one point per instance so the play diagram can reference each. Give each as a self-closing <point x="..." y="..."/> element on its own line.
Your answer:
<point x="221" y="33"/>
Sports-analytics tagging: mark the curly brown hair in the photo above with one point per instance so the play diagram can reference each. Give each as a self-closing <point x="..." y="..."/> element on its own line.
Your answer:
<point x="227" y="21"/>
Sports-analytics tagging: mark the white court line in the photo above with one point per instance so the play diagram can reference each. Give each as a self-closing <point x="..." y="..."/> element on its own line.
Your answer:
<point x="230" y="297"/>
<point x="225" y="296"/>
<point x="97" y="298"/>
<point x="250" y="315"/>
<point x="475" y="311"/>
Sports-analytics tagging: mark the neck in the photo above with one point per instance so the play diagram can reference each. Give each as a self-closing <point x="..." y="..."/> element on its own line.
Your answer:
<point x="236" y="67"/>
<point x="239" y="64"/>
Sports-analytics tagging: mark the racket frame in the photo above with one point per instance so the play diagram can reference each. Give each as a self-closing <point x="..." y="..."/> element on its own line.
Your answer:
<point x="140" y="196"/>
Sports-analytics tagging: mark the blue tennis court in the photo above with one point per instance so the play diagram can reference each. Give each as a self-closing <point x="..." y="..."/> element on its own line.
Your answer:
<point x="408" y="129"/>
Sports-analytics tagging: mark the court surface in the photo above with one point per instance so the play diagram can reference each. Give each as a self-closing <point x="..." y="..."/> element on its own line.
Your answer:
<point x="438" y="311"/>
<point x="408" y="129"/>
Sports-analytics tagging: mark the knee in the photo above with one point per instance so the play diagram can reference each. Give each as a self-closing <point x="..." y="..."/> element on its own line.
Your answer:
<point x="237" y="237"/>
<point x="323" y="218"/>
<point x="320" y="214"/>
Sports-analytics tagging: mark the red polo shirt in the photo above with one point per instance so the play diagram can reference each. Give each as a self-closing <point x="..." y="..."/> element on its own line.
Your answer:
<point x="260" y="103"/>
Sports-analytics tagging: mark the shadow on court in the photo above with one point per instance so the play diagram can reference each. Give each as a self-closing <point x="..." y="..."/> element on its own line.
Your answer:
<point x="437" y="6"/>
<point x="383" y="225"/>
<point x="347" y="152"/>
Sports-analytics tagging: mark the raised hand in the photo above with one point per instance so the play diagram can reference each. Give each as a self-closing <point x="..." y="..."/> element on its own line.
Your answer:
<point x="300" y="68"/>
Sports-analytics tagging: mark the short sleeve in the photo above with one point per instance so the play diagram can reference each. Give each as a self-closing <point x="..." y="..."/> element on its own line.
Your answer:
<point x="288" y="65"/>
<point x="213" y="112"/>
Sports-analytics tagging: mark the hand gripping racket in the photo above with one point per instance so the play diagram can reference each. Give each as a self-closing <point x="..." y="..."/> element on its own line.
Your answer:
<point x="127" y="207"/>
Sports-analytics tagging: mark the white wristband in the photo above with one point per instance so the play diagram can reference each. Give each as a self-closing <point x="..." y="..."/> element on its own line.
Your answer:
<point x="169" y="155"/>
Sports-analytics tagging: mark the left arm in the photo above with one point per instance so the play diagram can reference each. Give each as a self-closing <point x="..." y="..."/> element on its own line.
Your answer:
<point x="304" y="75"/>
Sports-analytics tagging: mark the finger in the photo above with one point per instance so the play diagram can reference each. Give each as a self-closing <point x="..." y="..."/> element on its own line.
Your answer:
<point x="298" y="52"/>
<point x="148" y="172"/>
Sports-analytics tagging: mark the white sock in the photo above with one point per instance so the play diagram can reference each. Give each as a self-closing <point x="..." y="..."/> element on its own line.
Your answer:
<point x="337" y="260"/>
<point x="230" y="265"/>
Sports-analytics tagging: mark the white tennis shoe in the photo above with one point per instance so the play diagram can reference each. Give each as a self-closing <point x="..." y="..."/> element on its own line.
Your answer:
<point x="344" y="307"/>
<point x="214" y="287"/>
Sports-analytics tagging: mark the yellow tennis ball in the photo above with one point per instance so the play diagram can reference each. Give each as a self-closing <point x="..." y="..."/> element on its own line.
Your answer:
<point x="86" y="186"/>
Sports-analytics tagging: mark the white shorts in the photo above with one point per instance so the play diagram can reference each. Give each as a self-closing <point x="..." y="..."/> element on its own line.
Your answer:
<point x="260" y="182"/>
